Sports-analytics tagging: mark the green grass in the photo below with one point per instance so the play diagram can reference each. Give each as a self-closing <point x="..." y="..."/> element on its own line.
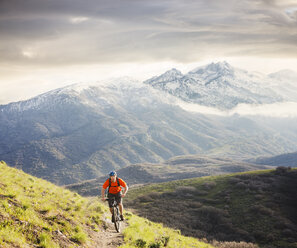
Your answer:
<point x="33" y="210"/>
<point x="45" y="241"/>
<point x="144" y="233"/>
<point x="35" y="213"/>
<point x="258" y="207"/>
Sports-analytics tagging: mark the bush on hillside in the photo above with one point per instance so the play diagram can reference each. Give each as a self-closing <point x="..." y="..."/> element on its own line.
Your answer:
<point x="234" y="180"/>
<point x="209" y="185"/>
<point x="140" y="243"/>
<point x="282" y="170"/>
<point x="261" y="210"/>
<point x="234" y="245"/>
<point x="184" y="191"/>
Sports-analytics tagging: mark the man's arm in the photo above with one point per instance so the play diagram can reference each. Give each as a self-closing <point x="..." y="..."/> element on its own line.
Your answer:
<point x="102" y="194"/>
<point x="125" y="191"/>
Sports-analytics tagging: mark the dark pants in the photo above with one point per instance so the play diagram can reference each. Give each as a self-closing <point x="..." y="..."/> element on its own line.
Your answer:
<point x="118" y="198"/>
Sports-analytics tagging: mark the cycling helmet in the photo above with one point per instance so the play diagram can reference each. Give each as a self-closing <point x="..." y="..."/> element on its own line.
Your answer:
<point x="112" y="173"/>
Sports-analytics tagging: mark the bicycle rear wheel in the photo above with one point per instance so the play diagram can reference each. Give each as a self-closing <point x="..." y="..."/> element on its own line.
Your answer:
<point x="117" y="223"/>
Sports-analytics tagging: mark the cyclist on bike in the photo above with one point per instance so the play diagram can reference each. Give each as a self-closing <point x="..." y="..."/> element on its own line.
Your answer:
<point x="115" y="191"/>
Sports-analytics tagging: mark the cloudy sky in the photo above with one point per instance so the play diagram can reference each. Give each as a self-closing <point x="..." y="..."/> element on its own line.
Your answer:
<point x="51" y="43"/>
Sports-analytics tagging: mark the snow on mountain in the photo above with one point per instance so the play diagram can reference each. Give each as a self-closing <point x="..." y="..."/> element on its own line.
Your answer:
<point x="285" y="75"/>
<point x="218" y="85"/>
<point x="285" y="82"/>
<point x="113" y="92"/>
<point x="221" y="67"/>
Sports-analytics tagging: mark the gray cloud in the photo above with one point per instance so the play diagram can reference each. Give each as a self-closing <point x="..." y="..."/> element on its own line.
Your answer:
<point x="99" y="31"/>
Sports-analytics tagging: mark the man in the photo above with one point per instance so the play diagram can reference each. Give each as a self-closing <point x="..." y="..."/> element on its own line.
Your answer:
<point x="114" y="191"/>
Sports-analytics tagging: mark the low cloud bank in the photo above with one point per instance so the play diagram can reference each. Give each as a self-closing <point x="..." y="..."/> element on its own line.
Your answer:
<point x="280" y="109"/>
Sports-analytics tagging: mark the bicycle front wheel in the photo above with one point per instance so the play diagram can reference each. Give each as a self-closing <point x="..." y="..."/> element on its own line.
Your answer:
<point x="117" y="223"/>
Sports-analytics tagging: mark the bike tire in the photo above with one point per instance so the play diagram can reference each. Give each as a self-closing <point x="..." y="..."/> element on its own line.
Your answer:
<point x="117" y="223"/>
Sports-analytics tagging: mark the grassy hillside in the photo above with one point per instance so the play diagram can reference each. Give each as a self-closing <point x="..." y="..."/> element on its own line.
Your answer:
<point x="257" y="207"/>
<point x="36" y="213"/>
<point x="180" y="167"/>
<point x="143" y="233"/>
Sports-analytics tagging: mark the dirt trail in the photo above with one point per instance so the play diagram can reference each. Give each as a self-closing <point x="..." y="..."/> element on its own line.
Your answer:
<point x="108" y="237"/>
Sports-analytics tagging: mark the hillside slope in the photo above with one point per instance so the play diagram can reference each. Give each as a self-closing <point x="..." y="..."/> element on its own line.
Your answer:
<point x="180" y="167"/>
<point x="258" y="207"/>
<point x="36" y="213"/>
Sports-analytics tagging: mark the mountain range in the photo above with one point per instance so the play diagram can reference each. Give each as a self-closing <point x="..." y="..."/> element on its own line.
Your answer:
<point x="82" y="131"/>
<point x="222" y="86"/>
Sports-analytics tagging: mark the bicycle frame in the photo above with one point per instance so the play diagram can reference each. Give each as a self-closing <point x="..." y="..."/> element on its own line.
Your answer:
<point x="116" y="214"/>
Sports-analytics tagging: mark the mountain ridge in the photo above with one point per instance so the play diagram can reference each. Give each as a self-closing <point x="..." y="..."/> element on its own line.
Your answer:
<point x="222" y="86"/>
<point x="82" y="131"/>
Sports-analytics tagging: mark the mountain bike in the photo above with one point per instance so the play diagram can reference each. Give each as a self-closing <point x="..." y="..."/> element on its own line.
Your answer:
<point x="116" y="214"/>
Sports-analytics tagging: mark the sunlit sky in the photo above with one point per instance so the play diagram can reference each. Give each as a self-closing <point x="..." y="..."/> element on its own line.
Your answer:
<point x="51" y="43"/>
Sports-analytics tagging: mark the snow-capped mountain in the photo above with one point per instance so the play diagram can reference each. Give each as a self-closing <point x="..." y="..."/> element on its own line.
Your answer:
<point x="82" y="131"/>
<point x="222" y="86"/>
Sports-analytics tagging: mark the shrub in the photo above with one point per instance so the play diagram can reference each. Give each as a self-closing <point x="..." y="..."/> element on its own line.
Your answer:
<point x="282" y="170"/>
<point x="31" y="179"/>
<point x="259" y="235"/>
<point x="140" y="243"/>
<point x="201" y="192"/>
<point x="234" y="245"/>
<point x="155" y="245"/>
<point x="96" y="218"/>
<point x="195" y="205"/>
<point x="209" y="185"/>
<point x="145" y="198"/>
<point x="259" y="197"/>
<point x="241" y="185"/>
<point x="288" y="233"/>
<point x="79" y="237"/>
<point x="234" y="180"/>
<point x="165" y="240"/>
<point x="188" y="189"/>
<point x="212" y="215"/>
<point x="261" y="210"/>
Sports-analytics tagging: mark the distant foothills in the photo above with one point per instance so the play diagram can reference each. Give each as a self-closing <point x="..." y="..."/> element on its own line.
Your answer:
<point x="181" y="167"/>
<point x="82" y="131"/>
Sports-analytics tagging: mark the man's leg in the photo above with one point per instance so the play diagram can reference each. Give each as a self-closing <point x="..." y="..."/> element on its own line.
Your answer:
<point x="121" y="208"/>
<point x="119" y="201"/>
<point x="110" y="196"/>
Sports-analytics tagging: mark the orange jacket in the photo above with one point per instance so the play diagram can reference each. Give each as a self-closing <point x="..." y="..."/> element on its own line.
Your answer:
<point x="114" y="188"/>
